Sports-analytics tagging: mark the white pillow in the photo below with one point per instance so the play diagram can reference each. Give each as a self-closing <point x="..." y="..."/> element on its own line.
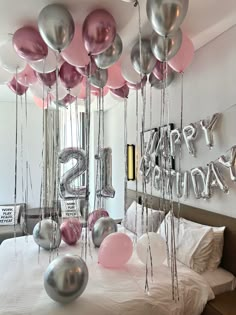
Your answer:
<point x="9" y="215"/>
<point x="218" y="243"/>
<point x="154" y="217"/>
<point x="193" y="245"/>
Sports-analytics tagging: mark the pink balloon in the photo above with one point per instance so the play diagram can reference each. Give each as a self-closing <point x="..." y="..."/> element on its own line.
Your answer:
<point x="96" y="91"/>
<point x="70" y="77"/>
<point x="71" y="230"/>
<point x="27" y="76"/>
<point x="184" y="56"/>
<point x="115" y="78"/>
<point x="16" y="87"/>
<point x="122" y="92"/>
<point x="68" y="99"/>
<point x="75" y="53"/>
<point x="159" y="70"/>
<point x="115" y="250"/>
<point x="40" y="103"/>
<point x="99" y="31"/>
<point x="29" y="44"/>
<point x="49" y="79"/>
<point x="95" y="215"/>
<point x="137" y="86"/>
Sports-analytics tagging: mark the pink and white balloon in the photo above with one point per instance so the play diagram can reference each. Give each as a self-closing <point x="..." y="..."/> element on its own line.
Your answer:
<point x="151" y="248"/>
<point x="95" y="215"/>
<point x="71" y="231"/>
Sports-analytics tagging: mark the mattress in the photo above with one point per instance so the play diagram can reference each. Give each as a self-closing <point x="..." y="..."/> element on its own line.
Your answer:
<point x="220" y="280"/>
<point x="109" y="292"/>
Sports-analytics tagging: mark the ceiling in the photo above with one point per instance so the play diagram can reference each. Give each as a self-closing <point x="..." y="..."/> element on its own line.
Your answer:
<point x="205" y="20"/>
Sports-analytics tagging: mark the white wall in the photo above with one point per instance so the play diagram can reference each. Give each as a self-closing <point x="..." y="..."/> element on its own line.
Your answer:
<point x="33" y="149"/>
<point x="209" y="87"/>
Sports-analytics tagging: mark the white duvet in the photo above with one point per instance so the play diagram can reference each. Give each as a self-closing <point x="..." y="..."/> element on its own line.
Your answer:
<point x="109" y="292"/>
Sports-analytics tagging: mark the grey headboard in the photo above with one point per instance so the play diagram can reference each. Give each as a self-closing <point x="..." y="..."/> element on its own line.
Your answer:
<point x="204" y="217"/>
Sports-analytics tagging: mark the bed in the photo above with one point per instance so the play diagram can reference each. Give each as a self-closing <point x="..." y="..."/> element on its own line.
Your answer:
<point x="109" y="292"/>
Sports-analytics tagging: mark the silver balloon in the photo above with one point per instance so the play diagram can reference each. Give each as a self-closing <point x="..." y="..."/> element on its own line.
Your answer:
<point x="190" y="134"/>
<point x="207" y="127"/>
<point x="103" y="227"/>
<point x="182" y="184"/>
<point x="166" y="16"/>
<point x="148" y="61"/>
<point x="66" y="278"/>
<point x="165" y="48"/>
<point x="161" y="84"/>
<point x="168" y="180"/>
<point x="47" y="234"/>
<point x="56" y="26"/>
<point x="66" y="184"/>
<point x="111" y="55"/>
<point x="107" y="190"/>
<point x="230" y="163"/>
<point x="214" y="179"/>
<point x="198" y="188"/>
<point x="175" y="139"/>
<point x="98" y="78"/>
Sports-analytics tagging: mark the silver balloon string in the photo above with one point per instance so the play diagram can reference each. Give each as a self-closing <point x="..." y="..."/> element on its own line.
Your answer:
<point x="87" y="145"/>
<point x="16" y="159"/>
<point x="125" y="158"/>
<point x="136" y="163"/>
<point x="98" y="158"/>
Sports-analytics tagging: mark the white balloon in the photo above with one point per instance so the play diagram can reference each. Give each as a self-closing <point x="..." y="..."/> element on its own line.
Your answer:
<point x="62" y="91"/>
<point x="39" y="90"/>
<point x="128" y="71"/>
<point x="157" y="246"/>
<point x="46" y="65"/>
<point x="5" y="76"/>
<point x="9" y="60"/>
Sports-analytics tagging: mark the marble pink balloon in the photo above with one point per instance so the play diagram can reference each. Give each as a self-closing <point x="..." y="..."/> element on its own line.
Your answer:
<point x="95" y="215"/>
<point x="71" y="230"/>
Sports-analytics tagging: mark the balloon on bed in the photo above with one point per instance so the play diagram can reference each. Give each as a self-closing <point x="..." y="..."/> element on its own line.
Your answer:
<point x="66" y="278"/>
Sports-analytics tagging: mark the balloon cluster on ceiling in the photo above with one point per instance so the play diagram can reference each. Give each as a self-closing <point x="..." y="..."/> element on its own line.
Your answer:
<point x="92" y="50"/>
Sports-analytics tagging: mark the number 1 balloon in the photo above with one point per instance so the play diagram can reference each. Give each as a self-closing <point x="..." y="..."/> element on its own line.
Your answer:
<point x="208" y="127"/>
<point x="107" y="190"/>
<point x="56" y="26"/>
<point x="190" y="134"/>
<point x="166" y="16"/>
<point x="147" y="62"/>
<point x="165" y="48"/>
<point x="230" y="163"/>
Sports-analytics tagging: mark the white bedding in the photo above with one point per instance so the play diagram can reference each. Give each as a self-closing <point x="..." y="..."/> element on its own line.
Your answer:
<point x="109" y="292"/>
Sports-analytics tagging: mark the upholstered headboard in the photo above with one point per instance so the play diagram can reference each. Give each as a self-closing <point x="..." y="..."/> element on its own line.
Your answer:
<point x="204" y="217"/>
